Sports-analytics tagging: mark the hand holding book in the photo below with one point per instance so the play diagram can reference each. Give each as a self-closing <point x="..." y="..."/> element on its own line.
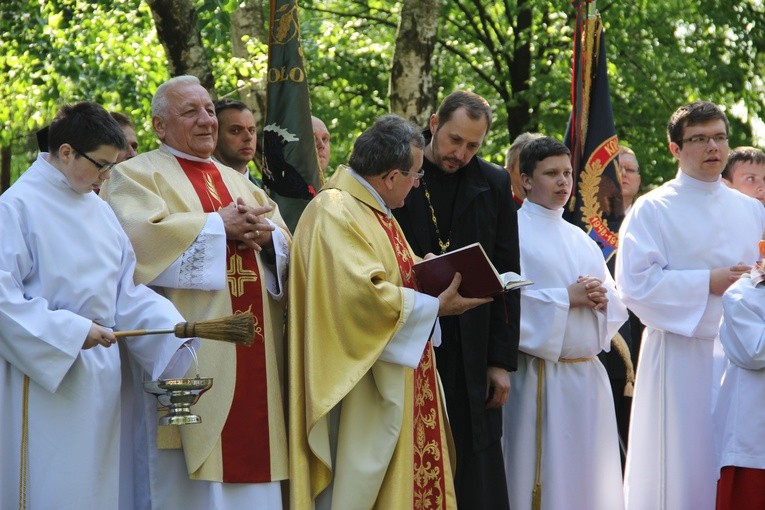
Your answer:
<point x="450" y="302"/>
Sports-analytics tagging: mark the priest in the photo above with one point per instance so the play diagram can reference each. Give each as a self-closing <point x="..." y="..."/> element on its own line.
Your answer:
<point x="214" y="244"/>
<point x="368" y="427"/>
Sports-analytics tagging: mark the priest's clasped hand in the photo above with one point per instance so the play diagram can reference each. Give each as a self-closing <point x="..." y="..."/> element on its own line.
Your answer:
<point x="247" y="224"/>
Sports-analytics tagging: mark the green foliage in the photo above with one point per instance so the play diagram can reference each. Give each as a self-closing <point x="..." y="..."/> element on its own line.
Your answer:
<point x="661" y="55"/>
<point x="350" y="45"/>
<point x="348" y="64"/>
<point x="52" y="53"/>
<point x="665" y="54"/>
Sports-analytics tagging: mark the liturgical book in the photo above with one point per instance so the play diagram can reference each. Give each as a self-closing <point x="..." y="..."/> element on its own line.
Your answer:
<point x="479" y="276"/>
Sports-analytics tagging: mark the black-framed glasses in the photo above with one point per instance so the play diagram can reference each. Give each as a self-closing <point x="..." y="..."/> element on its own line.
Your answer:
<point x="102" y="167"/>
<point x="703" y="140"/>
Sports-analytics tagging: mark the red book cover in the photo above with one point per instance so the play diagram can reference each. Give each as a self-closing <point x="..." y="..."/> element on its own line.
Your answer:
<point x="479" y="276"/>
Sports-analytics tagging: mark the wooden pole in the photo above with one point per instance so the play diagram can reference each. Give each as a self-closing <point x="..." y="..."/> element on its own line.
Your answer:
<point x="5" y="168"/>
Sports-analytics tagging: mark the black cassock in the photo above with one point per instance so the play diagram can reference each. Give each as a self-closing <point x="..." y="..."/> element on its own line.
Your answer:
<point x="472" y="205"/>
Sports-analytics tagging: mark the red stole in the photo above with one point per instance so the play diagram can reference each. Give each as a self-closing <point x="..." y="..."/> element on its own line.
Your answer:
<point x="428" y="475"/>
<point x="245" y="436"/>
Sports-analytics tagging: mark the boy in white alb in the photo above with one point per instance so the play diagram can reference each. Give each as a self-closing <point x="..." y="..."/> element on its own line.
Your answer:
<point x="739" y="420"/>
<point x="561" y="389"/>
<point x="66" y="281"/>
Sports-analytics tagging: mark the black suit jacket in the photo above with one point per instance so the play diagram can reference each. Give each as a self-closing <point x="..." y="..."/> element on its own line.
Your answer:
<point x="488" y="335"/>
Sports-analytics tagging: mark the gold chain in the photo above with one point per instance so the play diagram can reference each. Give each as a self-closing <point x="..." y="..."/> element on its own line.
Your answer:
<point x="443" y="245"/>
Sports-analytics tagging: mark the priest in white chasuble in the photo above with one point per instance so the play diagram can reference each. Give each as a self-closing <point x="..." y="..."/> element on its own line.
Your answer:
<point x="66" y="283"/>
<point x="214" y="244"/>
<point x="368" y="427"/>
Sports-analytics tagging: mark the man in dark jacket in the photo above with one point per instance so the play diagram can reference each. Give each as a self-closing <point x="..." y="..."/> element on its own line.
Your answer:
<point x="464" y="199"/>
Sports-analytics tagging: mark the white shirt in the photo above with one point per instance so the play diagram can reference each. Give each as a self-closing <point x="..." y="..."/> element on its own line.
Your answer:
<point x="739" y="414"/>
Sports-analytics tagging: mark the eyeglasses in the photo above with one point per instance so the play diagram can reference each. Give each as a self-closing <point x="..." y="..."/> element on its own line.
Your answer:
<point x="417" y="175"/>
<point x="703" y="140"/>
<point x="102" y="167"/>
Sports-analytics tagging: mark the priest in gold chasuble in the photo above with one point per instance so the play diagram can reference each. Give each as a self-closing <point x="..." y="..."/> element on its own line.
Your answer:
<point x="214" y="244"/>
<point x="368" y="427"/>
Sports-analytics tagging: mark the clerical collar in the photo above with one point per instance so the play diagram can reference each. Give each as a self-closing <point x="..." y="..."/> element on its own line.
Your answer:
<point x="539" y="210"/>
<point x="692" y="182"/>
<point x="371" y="190"/>
<point x="179" y="154"/>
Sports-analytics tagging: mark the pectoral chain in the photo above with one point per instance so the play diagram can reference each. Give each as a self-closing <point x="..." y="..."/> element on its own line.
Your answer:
<point x="444" y="245"/>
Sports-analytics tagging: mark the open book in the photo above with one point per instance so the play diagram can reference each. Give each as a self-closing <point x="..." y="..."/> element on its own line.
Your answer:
<point x="479" y="276"/>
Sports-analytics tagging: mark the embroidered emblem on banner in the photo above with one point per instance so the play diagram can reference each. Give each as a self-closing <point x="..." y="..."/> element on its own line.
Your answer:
<point x="589" y="185"/>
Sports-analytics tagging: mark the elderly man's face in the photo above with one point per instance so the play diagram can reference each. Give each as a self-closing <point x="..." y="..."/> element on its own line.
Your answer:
<point x="321" y="138"/>
<point x="189" y="125"/>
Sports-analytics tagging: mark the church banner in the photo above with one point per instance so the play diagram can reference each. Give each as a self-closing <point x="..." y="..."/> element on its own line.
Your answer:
<point x="596" y="201"/>
<point x="291" y="167"/>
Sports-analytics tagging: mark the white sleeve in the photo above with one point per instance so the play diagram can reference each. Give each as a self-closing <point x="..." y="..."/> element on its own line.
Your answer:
<point x="543" y="322"/>
<point x="181" y="361"/>
<point x="407" y="345"/>
<point x="276" y="283"/>
<point x="648" y="286"/>
<point x="742" y="333"/>
<point x="203" y="265"/>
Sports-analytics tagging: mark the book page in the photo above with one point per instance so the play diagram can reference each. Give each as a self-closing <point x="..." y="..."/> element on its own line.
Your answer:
<point x="511" y="280"/>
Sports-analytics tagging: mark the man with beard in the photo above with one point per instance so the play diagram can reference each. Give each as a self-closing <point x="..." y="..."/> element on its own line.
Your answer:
<point x="464" y="199"/>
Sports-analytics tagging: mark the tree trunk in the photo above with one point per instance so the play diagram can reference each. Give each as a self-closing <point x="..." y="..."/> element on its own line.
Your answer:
<point x="518" y="111"/>
<point x="411" y="92"/>
<point x="247" y="22"/>
<point x="176" y="24"/>
<point x="5" y="168"/>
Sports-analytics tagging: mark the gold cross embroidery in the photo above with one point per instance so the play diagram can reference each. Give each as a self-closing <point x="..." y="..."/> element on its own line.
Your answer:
<point x="238" y="275"/>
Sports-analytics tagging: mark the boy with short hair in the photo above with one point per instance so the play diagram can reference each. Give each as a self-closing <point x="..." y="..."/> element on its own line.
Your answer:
<point x="745" y="171"/>
<point x="66" y="281"/>
<point x="560" y="437"/>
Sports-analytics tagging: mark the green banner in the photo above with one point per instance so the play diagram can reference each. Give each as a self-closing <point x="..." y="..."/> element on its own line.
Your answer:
<point x="291" y="166"/>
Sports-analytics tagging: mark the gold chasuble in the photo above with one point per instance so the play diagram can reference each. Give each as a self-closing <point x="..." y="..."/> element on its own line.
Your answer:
<point x="163" y="203"/>
<point x="393" y="447"/>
